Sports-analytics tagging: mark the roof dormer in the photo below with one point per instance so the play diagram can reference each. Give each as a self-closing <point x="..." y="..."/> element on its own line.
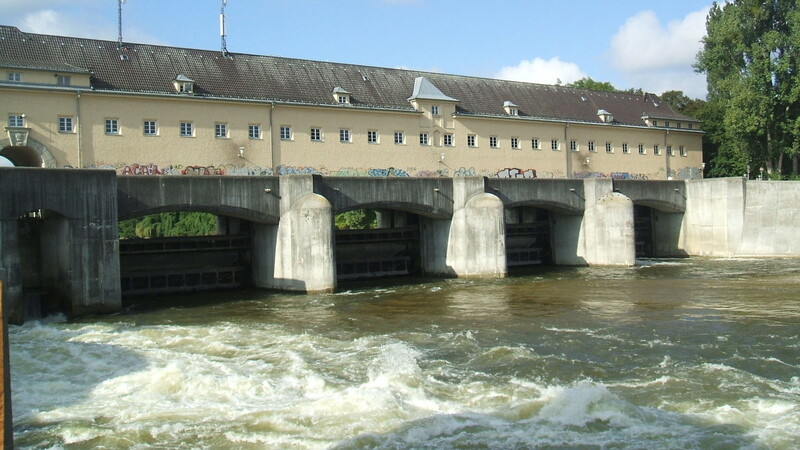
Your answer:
<point x="341" y="96"/>
<point x="511" y="108"/>
<point x="183" y="84"/>
<point x="605" y="116"/>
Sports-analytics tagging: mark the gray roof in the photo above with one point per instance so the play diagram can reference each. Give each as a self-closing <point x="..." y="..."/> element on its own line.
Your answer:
<point x="144" y="68"/>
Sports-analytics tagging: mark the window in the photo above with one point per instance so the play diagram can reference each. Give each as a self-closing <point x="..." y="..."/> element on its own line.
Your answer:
<point x="435" y="110"/>
<point x="286" y="133"/>
<point x="535" y="144"/>
<point x="448" y="140"/>
<point x="493" y="142"/>
<point x="221" y="130"/>
<point x="14" y="76"/>
<point x="344" y="135"/>
<point x="63" y="80"/>
<point x="471" y="140"/>
<point x="16" y="120"/>
<point x="625" y="148"/>
<point x="513" y="112"/>
<point x="590" y="145"/>
<point x="670" y="151"/>
<point x="65" y="125"/>
<point x="666" y="124"/>
<point x="641" y="149"/>
<point x="423" y="139"/>
<point x="515" y="143"/>
<point x="609" y="147"/>
<point x="254" y="131"/>
<point x="554" y="144"/>
<point x="187" y="129"/>
<point x="655" y="123"/>
<point x="316" y="134"/>
<point x="656" y="150"/>
<point x="399" y="138"/>
<point x="112" y="126"/>
<point x="150" y="128"/>
<point x="678" y="125"/>
<point x="372" y="136"/>
<point x="690" y="126"/>
<point x="344" y="99"/>
<point x="573" y="145"/>
<point x="187" y="88"/>
<point x="682" y="150"/>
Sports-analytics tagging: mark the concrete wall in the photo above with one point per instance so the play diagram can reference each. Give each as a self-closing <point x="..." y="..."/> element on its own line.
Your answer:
<point x="714" y="218"/>
<point x="606" y="235"/>
<point x="771" y="219"/>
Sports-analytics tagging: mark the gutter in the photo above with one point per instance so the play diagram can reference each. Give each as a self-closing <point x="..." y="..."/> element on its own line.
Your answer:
<point x="79" y="124"/>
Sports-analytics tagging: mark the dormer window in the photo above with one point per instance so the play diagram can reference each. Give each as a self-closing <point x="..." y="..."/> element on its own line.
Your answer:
<point x="605" y="116"/>
<point x="511" y="108"/>
<point x="341" y="96"/>
<point x="183" y="84"/>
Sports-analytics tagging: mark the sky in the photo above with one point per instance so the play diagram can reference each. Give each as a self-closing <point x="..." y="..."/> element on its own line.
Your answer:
<point x="630" y="43"/>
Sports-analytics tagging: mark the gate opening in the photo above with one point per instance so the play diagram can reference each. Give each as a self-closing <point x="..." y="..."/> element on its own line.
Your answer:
<point x="528" y="237"/>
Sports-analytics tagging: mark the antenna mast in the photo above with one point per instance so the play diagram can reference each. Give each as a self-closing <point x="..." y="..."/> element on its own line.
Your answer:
<point x="119" y="17"/>
<point x="222" y="28"/>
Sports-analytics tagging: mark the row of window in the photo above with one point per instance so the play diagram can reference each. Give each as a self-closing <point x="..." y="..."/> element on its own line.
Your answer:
<point x="61" y="80"/>
<point x="668" y="124"/>
<point x="66" y="124"/>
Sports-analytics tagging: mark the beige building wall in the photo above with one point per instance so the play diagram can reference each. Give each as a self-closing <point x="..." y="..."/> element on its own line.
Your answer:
<point x="131" y="151"/>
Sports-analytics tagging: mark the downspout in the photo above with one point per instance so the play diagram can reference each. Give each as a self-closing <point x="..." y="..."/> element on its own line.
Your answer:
<point x="78" y="119"/>
<point x="568" y="151"/>
<point x="667" y="155"/>
<point x="271" y="146"/>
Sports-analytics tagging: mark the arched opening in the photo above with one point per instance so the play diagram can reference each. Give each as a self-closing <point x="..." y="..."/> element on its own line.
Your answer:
<point x="376" y="243"/>
<point x="657" y="232"/>
<point x="43" y="239"/>
<point x="528" y="236"/>
<point x="179" y="251"/>
<point x="21" y="156"/>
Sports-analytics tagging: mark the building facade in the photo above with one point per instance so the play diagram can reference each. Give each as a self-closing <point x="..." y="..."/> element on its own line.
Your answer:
<point x="146" y="109"/>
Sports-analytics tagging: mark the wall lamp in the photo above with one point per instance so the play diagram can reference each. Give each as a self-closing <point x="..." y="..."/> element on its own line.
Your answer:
<point x="241" y="152"/>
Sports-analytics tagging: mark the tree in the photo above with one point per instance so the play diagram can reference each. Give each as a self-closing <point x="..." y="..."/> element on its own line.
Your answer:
<point x="589" y="83"/>
<point x="357" y="219"/>
<point x="750" y="58"/>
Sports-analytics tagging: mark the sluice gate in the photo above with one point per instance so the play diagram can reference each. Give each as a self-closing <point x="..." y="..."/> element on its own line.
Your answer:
<point x="376" y="253"/>
<point x="184" y="264"/>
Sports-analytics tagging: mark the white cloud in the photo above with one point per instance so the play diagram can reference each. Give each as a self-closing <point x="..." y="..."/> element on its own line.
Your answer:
<point x="52" y="22"/>
<point x="656" y="57"/>
<point x="543" y="71"/>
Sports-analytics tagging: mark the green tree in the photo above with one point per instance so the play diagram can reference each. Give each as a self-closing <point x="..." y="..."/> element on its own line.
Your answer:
<point x="750" y="58"/>
<point x="169" y="224"/>
<point x="357" y="219"/>
<point x="589" y="83"/>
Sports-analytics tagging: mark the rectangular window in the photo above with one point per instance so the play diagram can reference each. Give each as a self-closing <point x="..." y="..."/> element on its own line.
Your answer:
<point x="254" y="131"/>
<point x="286" y="133"/>
<point x="655" y="123"/>
<point x="344" y="135"/>
<point x="435" y="110"/>
<point x="316" y="134"/>
<point x="666" y="124"/>
<point x="372" y="136"/>
<point x="625" y="148"/>
<point x="678" y="125"/>
<point x="554" y="144"/>
<point x="187" y="129"/>
<point x="641" y="149"/>
<point x="14" y="76"/>
<point x="573" y="145"/>
<point x="690" y="126"/>
<point x="448" y="140"/>
<point x="515" y="143"/>
<point x="65" y="125"/>
<point x="344" y="99"/>
<point x="16" y="120"/>
<point x="63" y="80"/>
<point x="423" y="139"/>
<point x="656" y="150"/>
<point x="590" y="145"/>
<point x="535" y="144"/>
<point x="682" y="150"/>
<point x="400" y="138"/>
<point x="150" y="128"/>
<point x="221" y="130"/>
<point x="112" y="126"/>
<point x="670" y="151"/>
<point x="493" y="142"/>
<point x="471" y="140"/>
<point x="609" y="147"/>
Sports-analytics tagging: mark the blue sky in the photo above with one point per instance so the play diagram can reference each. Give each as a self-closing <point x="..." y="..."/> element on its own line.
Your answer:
<point x="632" y="44"/>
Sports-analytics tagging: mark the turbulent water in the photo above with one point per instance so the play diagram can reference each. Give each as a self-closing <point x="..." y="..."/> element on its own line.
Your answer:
<point x="690" y="353"/>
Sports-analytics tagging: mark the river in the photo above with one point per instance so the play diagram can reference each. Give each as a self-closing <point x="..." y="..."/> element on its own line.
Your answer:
<point x="693" y="353"/>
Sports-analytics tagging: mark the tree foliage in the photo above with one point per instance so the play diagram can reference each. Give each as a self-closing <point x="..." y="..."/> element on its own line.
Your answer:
<point x="750" y="58"/>
<point x="169" y="224"/>
<point x="589" y="83"/>
<point x="357" y="219"/>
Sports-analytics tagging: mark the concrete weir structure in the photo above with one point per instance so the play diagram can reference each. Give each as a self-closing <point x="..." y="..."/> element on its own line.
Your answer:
<point x="59" y="247"/>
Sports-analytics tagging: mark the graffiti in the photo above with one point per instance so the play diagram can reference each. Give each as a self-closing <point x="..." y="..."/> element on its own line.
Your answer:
<point x="433" y="174"/>
<point x="628" y="176"/>
<point x="284" y="170"/>
<point x="464" y="172"/>
<point x="589" y="175"/>
<point x="390" y="172"/>
<point x="516" y="173"/>
<point x="203" y="170"/>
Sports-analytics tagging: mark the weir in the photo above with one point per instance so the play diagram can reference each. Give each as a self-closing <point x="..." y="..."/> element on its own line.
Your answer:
<point x="59" y="246"/>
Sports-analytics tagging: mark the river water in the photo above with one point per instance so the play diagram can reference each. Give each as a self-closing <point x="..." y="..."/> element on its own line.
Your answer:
<point x="695" y="353"/>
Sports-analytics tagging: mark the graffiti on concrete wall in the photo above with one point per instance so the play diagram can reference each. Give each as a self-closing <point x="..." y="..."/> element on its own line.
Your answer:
<point x="614" y="175"/>
<point x="516" y="173"/>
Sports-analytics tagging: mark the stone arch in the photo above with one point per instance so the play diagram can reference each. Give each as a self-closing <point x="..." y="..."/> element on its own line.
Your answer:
<point x="34" y="154"/>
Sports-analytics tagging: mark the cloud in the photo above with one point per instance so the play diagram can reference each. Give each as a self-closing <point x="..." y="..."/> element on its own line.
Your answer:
<point x="659" y="57"/>
<point x="49" y="21"/>
<point x="543" y="71"/>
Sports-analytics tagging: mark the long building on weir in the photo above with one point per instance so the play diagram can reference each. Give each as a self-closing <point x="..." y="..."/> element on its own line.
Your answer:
<point x="150" y="109"/>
